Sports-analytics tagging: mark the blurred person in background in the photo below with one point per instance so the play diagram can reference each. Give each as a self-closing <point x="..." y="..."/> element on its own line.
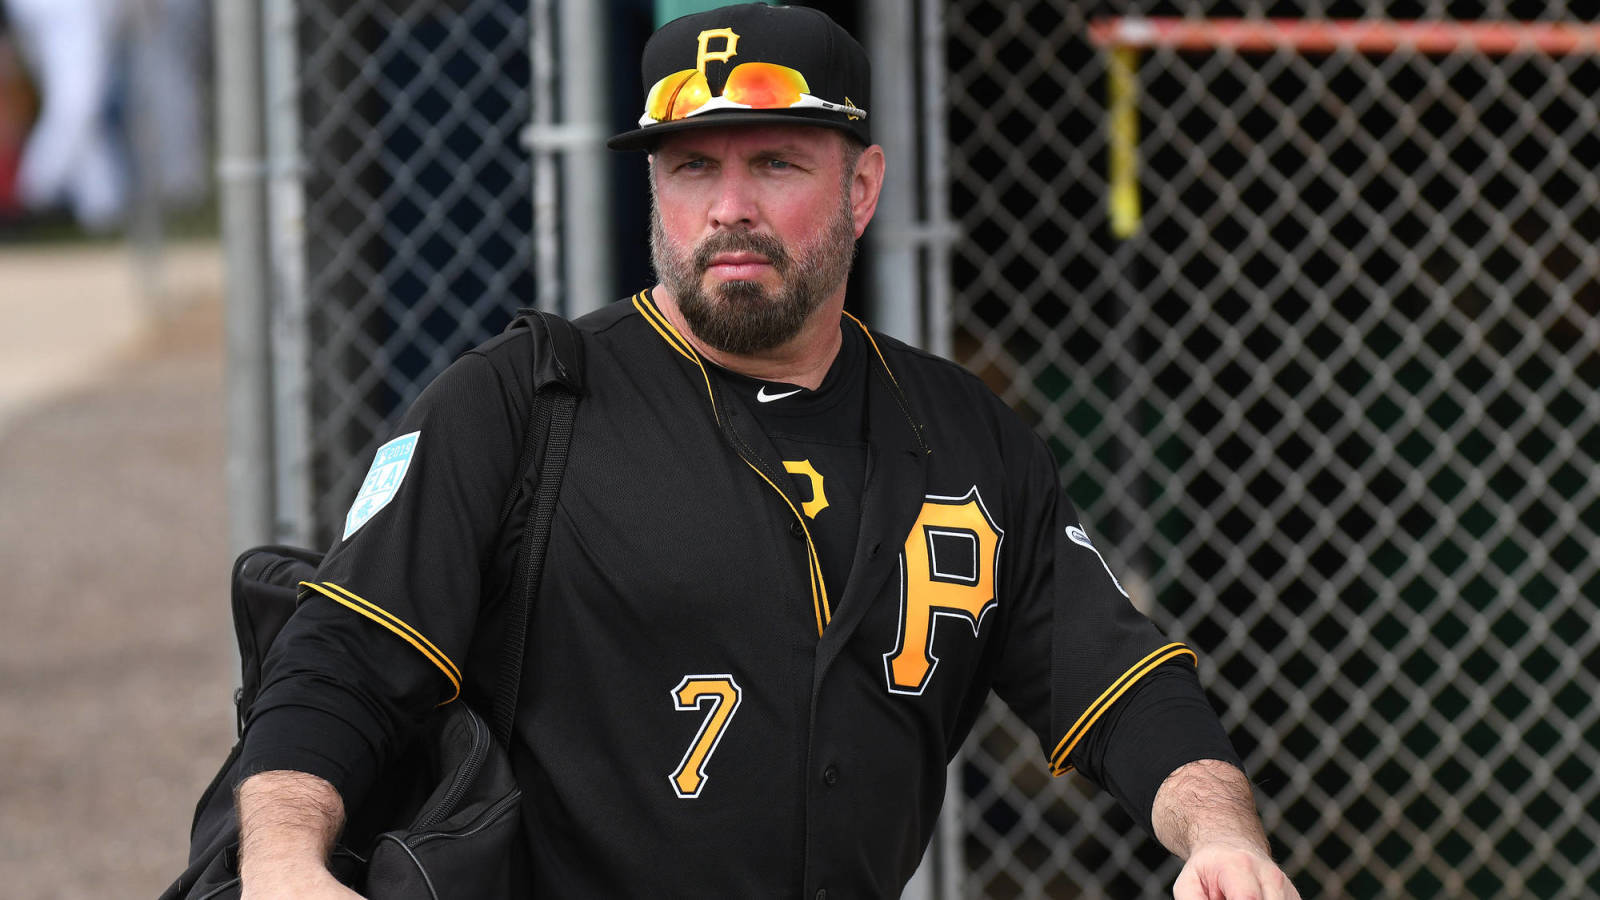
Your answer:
<point x="71" y="157"/>
<point x="110" y="73"/>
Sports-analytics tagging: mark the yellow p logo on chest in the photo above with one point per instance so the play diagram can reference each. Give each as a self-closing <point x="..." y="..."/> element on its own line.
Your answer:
<point x="819" y="496"/>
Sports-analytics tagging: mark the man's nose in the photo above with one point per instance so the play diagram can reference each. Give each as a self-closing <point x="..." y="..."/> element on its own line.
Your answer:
<point x="734" y="205"/>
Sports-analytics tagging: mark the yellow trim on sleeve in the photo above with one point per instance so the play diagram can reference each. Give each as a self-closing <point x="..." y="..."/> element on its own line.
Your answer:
<point x="1058" y="759"/>
<point x="394" y="624"/>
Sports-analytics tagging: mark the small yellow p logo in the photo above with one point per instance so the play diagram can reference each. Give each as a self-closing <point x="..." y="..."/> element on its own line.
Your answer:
<point x="730" y="47"/>
<point x="819" y="497"/>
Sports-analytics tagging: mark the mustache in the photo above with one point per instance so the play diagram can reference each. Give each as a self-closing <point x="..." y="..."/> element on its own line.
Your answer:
<point x="741" y="241"/>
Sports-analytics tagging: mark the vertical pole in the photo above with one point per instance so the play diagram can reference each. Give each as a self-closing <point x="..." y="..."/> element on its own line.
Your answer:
<point x="941" y="231"/>
<point x="912" y="231"/>
<point x="896" y="283"/>
<point x="241" y="176"/>
<point x="285" y="243"/>
<point x="585" y="184"/>
<point x="546" y="209"/>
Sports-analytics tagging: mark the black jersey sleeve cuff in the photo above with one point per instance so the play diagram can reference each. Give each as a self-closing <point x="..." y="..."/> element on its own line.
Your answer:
<point x="1164" y="723"/>
<point x="314" y="741"/>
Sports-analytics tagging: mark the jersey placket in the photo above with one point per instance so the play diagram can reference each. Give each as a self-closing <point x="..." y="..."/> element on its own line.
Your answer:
<point x="764" y="469"/>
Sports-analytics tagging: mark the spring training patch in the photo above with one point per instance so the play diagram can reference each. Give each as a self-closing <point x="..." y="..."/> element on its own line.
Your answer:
<point x="382" y="482"/>
<point x="1078" y="536"/>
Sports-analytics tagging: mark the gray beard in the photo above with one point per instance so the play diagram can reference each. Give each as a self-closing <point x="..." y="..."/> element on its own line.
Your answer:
<point x="743" y="317"/>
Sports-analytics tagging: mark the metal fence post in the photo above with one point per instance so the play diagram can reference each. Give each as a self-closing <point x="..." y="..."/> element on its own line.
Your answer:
<point x="537" y="139"/>
<point x="285" y="240"/>
<point x="572" y="187"/>
<point x="586" y="177"/>
<point x="896" y="304"/>
<point x="241" y="175"/>
<point x="911" y="232"/>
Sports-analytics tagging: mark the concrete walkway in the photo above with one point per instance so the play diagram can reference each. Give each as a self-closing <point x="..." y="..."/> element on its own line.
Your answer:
<point x="70" y="311"/>
<point x="115" y="652"/>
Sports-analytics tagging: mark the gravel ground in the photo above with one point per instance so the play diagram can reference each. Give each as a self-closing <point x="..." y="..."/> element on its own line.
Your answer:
<point x="115" y="653"/>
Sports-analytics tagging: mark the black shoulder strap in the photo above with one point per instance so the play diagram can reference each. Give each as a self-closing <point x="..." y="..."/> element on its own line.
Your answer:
<point x="558" y="381"/>
<point x="557" y="364"/>
<point x="558" y="352"/>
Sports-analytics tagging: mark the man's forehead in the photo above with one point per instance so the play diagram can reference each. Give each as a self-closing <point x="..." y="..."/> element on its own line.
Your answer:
<point x="751" y="140"/>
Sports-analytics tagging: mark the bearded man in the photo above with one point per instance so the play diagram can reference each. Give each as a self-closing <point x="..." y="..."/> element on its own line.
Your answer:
<point x="791" y="557"/>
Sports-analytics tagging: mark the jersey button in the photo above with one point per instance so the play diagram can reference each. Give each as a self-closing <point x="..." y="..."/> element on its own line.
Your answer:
<point x="796" y="530"/>
<point x="830" y="776"/>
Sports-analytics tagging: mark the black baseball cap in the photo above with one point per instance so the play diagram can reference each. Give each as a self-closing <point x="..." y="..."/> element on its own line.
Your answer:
<point x="751" y="64"/>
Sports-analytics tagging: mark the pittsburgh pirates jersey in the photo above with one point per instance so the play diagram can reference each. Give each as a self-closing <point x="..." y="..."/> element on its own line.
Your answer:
<point x="702" y="711"/>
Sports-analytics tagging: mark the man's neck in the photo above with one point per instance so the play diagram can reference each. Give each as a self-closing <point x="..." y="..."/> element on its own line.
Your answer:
<point x="803" y="360"/>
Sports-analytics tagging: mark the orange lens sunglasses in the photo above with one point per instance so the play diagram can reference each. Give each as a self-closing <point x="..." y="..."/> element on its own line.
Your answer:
<point x="752" y="85"/>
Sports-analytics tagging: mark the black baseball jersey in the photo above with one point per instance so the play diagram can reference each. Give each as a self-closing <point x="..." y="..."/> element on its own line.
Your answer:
<point x="703" y="712"/>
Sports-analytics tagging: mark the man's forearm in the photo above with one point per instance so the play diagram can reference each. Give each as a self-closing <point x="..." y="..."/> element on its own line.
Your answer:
<point x="288" y="822"/>
<point x="1206" y="814"/>
<point x="1207" y="801"/>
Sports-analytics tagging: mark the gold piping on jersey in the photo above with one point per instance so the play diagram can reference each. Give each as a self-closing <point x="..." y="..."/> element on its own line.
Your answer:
<point x="819" y="590"/>
<point x="898" y="394"/>
<point x="392" y="622"/>
<point x="868" y="332"/>
<point x="1058" y="759"/>
<point x="646" y="306"/>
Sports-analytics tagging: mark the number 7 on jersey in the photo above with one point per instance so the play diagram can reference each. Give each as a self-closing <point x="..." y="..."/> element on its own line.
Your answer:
<point x="719" y="695"/>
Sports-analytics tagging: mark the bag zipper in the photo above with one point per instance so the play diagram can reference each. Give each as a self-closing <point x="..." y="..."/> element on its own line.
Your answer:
<point x="465" y="775"/>
<point x="490" y="817"/>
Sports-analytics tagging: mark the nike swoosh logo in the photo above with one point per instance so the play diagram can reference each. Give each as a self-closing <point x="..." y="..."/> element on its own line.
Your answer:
<point x="765" y="397"/>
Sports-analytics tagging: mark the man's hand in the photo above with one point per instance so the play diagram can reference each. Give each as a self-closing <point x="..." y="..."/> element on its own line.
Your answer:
<point x="1221" y="871"/>
<point x="287" y="825"/>
<point x="1205" y="813"/>
<point x="311" y="884"/>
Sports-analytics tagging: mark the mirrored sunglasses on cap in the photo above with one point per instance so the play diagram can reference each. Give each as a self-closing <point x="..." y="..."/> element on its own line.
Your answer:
<point x="751" y="85"/>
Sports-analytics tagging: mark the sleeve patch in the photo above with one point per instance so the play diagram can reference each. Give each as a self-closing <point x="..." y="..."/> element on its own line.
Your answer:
<point x="383" y="480"/>
<point x="1077" y="535"/>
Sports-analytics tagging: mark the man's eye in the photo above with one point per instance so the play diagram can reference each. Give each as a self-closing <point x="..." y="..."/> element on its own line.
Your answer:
<point x="779" y="163"/>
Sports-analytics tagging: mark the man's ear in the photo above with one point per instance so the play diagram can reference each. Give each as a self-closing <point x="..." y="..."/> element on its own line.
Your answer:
<point x="865" y="186"/>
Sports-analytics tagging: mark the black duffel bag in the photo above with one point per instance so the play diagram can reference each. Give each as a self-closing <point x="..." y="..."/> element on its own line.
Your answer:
<point x="443" y="821"/>
<point x="462" y="840"/>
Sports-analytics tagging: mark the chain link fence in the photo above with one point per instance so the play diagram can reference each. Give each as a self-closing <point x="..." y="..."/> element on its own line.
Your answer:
<point x="418" y="235"/>
<point x="1333" y="404"/>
